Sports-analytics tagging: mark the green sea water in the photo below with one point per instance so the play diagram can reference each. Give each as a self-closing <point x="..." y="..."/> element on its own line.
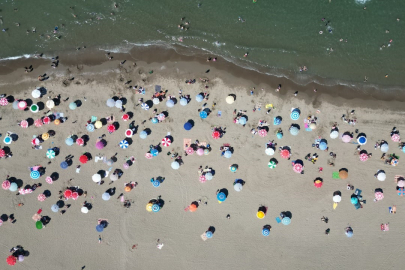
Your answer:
<point x="279" y="35"/>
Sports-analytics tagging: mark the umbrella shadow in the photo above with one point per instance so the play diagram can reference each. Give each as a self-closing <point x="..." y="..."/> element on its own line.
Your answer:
<point x="212" y="171"/>
<point x="6" y="149"/>
<point x="116" y="125"/>
<point x="111" y="191"/>
<point x="296" y="125"/>
<point x="103" y="121"/>
<point x="170" y="137"/>
<point x="102" y="173"/>
<point x="41" y="106"/>
<point x="337" y="193"/>
<point x="29" y="103"/>
<point x="149" y="103"/>
<point x="240" y="181"/>
<point x="88" y="205"/>
<point x="161" y="202"/>
<point x="10" y="99"/>
<point x="225" y="191"/>
<point x="265" y="128"/>
<point x="60" y="203"/>
<point x="274" y="160"/>
<point x="51" y="133"/>
<point x="45" y="220"/>
<point x="344" y="169"/>
<point x="47" y="193"/>
<point x="323" y="140"/>
<point x="104" y="142"/>
<point x="130" y="114"/>
<point x="262" y="208"/>
<point x="161" y="179"/>
<point x="129" y="141"/>
<point x="78" y="102"/>
<point x="55" y="176"/>
<point x="30" y="121"/>
<point x="56" y="101"/>
<point x="86" y="139"/>
<point x="361" y="135"/>
<point x="267" y="226"/>
<point x="287" y="214"/>
<point x="233" y="95"/>
<point x="14" y="137"/>
<point x="165" y="113"/>
<point x="88" y="155"/>
<point x="348" y="133"/>
<point x="211" y="229"/>
<point x="174" y="100"/>
<point x="148" y="131"/>
<point x="124" y="100"/>
<point x="191" y="121"/>
<point x="363" y="152"/>
<point x="157" y="147"/>
<point x="43" y="91"/>
<point x="378" y="190"/>
<point x="299" y="161"/>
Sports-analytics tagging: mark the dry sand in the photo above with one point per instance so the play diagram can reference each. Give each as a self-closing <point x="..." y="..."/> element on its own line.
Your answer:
<point x="70" y="241"/>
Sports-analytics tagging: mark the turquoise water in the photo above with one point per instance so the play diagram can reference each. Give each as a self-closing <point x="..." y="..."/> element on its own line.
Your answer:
<point x="280" y="36"/>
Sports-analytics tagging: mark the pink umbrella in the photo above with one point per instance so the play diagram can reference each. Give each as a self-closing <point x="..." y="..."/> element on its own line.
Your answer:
<point x="75" y="195"/>
<point x="395" y="137"/>
<point x="202" y="179"/>
<point x="379" y="196"/>
<point x="100" y="145"/>
<point x="216" y="134"/>
<point x="148" y="155"/>
<point x="166" y="142"/>
<point x="3" y="101"/>
<point x="125" y="117"/>
<point x="41" y="197"/>
<point x="80" y="142"/>
<point x="297" y="168"/>
<point x="2" y="153"/>
<point x="126" y="166"/>
<point x="363" y="157"/>
<point x="401" y="183"/>
<point x="190" y="151"/>
<point x="200" y="151"/>
<point x="346" y="138"/>
<point x="49" y="180"/>
<point x="24" y="124"/>
<point x="262" y="132"/>
<point x="22" y="105"/>
<point x="111" y="128"/>
<point x="6" y="184"/>
<point x="24" y="191"/>
<point x="161" y="117"/>
<point x="35" y="141"/>
<point x="285" y="153"/>
<point x="38" y="123"/>
<point x="46" y="120"/>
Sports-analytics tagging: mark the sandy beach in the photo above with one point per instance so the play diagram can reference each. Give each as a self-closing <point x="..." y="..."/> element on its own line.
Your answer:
<point x="70" y="241"/>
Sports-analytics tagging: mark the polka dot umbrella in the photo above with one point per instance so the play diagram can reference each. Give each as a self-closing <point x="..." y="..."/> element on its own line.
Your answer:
<point x="41" y="197"/>
<point x="262" y="132"/>
<point x="190" y="151"/>
<point x="298" y="168"/>
<point x="285" y="153"/>
<point x="363" y="157"/>
<point x="111" y="128"/>
<point x="395" y="138"/>
<point x="202" y="179"/>
<point x="216" y="134"/>
<point x="3" y="101"/>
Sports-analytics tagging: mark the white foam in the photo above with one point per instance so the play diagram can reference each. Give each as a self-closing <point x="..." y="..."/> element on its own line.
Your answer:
<point x="361" y="2"/>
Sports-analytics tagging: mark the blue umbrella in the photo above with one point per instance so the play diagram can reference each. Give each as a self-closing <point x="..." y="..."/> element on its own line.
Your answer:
<point x="170" y="103"/>
<point x="69" y="141"/>
<point x="199" y="98"/>
<point x="208" y="234"/>
<point x="188" y="126"/>
<point x="183" y="102"/>
<point x="208" y="176"/>
<point x="323" y="146"/>
<point x="349" y="233"/>
<point x="294" y="131"/>
<point x="55" y="208"/>
<point x="13" y="187"/>
<point x="106" y="196"/>
<point x="228" y="154"/>
<point x="233" y="168"/>
<point x="295" y="114"/>
<point x="354" y="200"/>
<point x="221" y="196"/>
<point x="35" y="175"/>
<point x="155" y="207"/>
<point x="266" y="232"/>
<point x="279" y="135"/>
<point x="90" y="127"/>
<point x="124" y="144"/>
<point x="145" y="106"/>
<point x="73" y="106"/>
<point x="286" y="221"/>
<point x="7" y="140"/>
<point x="403" y="149"/>
<point x="154" y="152"/>
<point x="242" y="120"/>
<point x="100" y="228"/>
<point x="203" y="114"/>
<point x="362" y="140"/>
<point x="156" y="183"/>
<point x="277" y="120"/>
<point x="155" y="120"/>
<point x="143" y="134"/>
<point x="64" y="165"/>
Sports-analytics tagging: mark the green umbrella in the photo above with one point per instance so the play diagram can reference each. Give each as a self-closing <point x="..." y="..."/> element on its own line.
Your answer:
<point x="272" y="164"/>
<point x="50" y="154"/>
<point x="39" y="225"/>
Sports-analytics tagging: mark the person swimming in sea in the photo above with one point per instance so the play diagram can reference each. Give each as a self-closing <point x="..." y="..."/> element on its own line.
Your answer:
<point x="241" y="19"/>
<point x="246" y="54"/>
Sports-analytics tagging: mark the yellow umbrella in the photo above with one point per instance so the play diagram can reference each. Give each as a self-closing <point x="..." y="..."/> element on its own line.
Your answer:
<point x="50" y="104"/>
<point x="45" y="136"/>
<point x="149" y="207"/>
<point x="260" y="214"/>
<point x="98" y="124"/>
<point x="230" y="99"/>
<point x="57" y="122"/>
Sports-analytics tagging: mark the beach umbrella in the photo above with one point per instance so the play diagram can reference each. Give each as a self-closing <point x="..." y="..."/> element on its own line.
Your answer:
<point x="56" y="122"/>
<point x="149" y="207"/>
<point x="349" y="233"/>
<point x="318" y="183"/>
<point x="69" y="141"/>
<point x="346" y="138"/>
<point x="279" y="135"/>
<point x="343" y="174"/>
<point x="111" y="128"/>
<point x="98" y="124"/>
<point x="233" y="168"/>
<point x="170" y="103"/>
<point x="260" y="214"/>
<point x="38" y="123"/>
<point x="394" y="162"/>
<point x="41" y="197"/>
<point x="118" y="104"/>
<point x="124" y="144"/>
<point x="100" y="145"/>
<point x="156" y="101"/>
<point x="106" y="196"/>
<point x="161" y="117"/>
<point x="155" y="207"/>
<point x="384" y="148"/>
<point x="125" y="117"/>
<point x="154" y="152"/>
<point x="36" y="93"/>
<point x="362" y="140"/>
<point x="24" y="124"/>
<point x="100" y="228"/>
<point x="354" y="200"/>
<point x="199" y="98"/>
<point x="379" y="196"/>
<point x="206" y="151"/>
<point x="83" y="159"/>
<point x="45" y="136"/>
<point x="203" y="114"/>
<point x="46" y="120"/>
<point x="242" y="120"/>
<point x="72" y="106"/>
<point x="238" y="187"/>
<point x="272" y="164"/>
<point x="183" y="102"/>
<point x="266" y="232"/>
<point x="128" y="133"/>
<point x="295" y="114"/>
<point x="208" y="234"/>
<point x="323" y="146"/>
<point x="401" y="191"/>
<point x="381" y="176"/>
<point x="221" y="197"/>
<point x="35" y="174"/>
<point x="262" y="132"/>
<point x="75" y="195"/>
<point x="2" y="153"/>
<point x="6" y="184"/>
<point x="188" y="126"/>
<point x="3" y="101"/>
<point x="34" y="108"/>
<point x="216" y="134"/>
<point x="96" y="178"/>
<point x="200" y="151"/>
<point x="286" y="221"/>
<point x="294" y="131"/>
<point x="175" y="165"/>
<point x="228" y="154"/>
<point x="285" y="153"/>
<point x="154" y="120"/>
<point x="90" y="127"/>
<point x="297" y="168"/>
<point x="277" y="120"/>
<point x="166" y="142"/>
<point x="148" y="155"/>
<point x="337" y="198"/>
<point x="156" y="183"/>
<point x="15" y="104"/>
<point x="145" y="106"/>
<point x="50" y="154"/>
<point x="230" y="99"/>
<point x="202" y="178"/>
<point x="110" y="102"/>
<point x="84" y="210"/>
<point x="80" y="141"/>
<point x="190" y="150"/>
<point x="49" y="180"/>
<point x="22" y="105"/>
<point x="400" y="183"/>
<point x="125" y="166"/>
<point x="55" y="208"/>
<point x="39" y="225"/>
<point x="363" y="157"/>
<point x="11" y="260"/>
<point x="67" y="194"/>
<point x="143" y="134"/>
<point x="7" y="140"/>
<point x="208" y="176"/>
<point x="334" y="134"/>
<point x="50" y="104"/>
<point x="64" y="165"/>
<point x="13" y="187"/>
<point x="395" y="137"/>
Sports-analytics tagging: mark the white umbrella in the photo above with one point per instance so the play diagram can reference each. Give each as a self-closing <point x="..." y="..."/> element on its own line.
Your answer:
<point x="381" y="176"/>
<point x="110" y="102"/>
<point x="269" y="151"/>
<point x="337" y="198"/>
<point x="84" y="210"/>
<point x="118" y="104"/>
<point x="170" y="103"/>
<point x="50" y="104"/>
<point x="175" y="165"/>
<point x="334" y="134"/>
<point x="384" y="148"/>
<point x="208" y="176"/>
<point x="238" y="187"/>
<point x="36" y="93"/>
<point x="106" y="196"/>
<point x="156" y="101"/>
<point x="114" y="177"/>
<point x="96" y="178"/>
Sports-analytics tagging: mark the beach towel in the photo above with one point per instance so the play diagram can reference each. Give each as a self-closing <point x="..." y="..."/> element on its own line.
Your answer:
<point x="335" y="205"/>
<point x="93" y="119"/>
<point x="36" y="217"/>
<point x="335" y="175"/>
<point x="203" y="144"/>
<point x="186" y="142"/>
<point x="204" y="237"/>
<point x="357" y="192"/>
<point x="278" y="220"/>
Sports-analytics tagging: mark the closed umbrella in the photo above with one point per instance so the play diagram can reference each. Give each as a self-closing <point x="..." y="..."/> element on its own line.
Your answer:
<point x="50" y="104"/>
<point x="384" y="148"/>
<point x="50" y="154"/>
<point x="69" y="141"/>
<point x="230" y="99"/>
<point x="106" y="196"/>
<point x="110" y="102"/>
<point x="199" y="98"/>
<point x="238" y="187"/>
<point x="124" y="144"/>
<point x="294" y="131"/>
<point x="170" y="103"/>
<point x="96" y="178"/>
<point x="64" y="165"/>
<point x="156" y="101"/>
<point x="183" y="102"/>
<point x="55" y="208"/>
<point x="334" y="134"/>
<point x="90" y="127"/>
<point x="208" y="176"/>
<point x="286" y="221"/>
<point x="36" y="93"/>
<point x="145" y="106"/>
<point x="228" y="154"/>
<point x="143" y="134"/>
<point x="175" y="165"/>
<point x="72" y="106"/>
<point x="38" y="123"/>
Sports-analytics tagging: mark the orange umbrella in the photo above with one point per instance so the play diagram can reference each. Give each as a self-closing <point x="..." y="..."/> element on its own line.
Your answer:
<point x="193" y="207"/>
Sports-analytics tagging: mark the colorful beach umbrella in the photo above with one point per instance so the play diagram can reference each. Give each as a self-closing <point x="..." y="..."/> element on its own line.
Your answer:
<point x="125" y="117"/>
<point x="154" y="152"/>
<point x="46" y="120"/>
<point x="262" y="132"/>
<point x="318" y="183"/>
<point x="188" y="126"/>
<point x="285" y="153"/>
<point x="35" y="174"/>
<point x="124" y="144"/>
<point x="11" y="260"/>
<point x="6" y="184"/>
<point x="24" y="124"/>
<point x="199" y="98"/>
<point x="298" y="168"/>
<point x="400" y="191"/>
<point x="2" y="153"/>
<point x="183" y="102"/>
<point x="161" y="116"/>
<point x="64" y="165"/>
<point x="170" y="103"/>
<point x="166" y="142"/>
<point x="362" y="140"/>
<point x="100" y="145"/>
<point x="111" y="128"/>
<point x="128" y="133"/>
<point x="242" y="120"/>
<point x="363" y="157"/>
<point x="69" y="141"/>
<point x="90" y="127"/>
<point x="260" y="214"/>
<point x="155" y="207"/>
<point x="379" y="196"/>
<point x="277" y="120"/>
<point x="98" y="124"/>
<point x="272" y="164"/>
<point x="156" y="183"/>
<point x="395" y="137"/>
<point x="286" y="221"/>
<point x="154" y="120"/>
<point x="216" y="134"/>
<point x="228" y="154"/>
<point x="208" y="176"/>
<point x="50" y="154"/>
<point x="190" y="151"/>
<point x="45" y="136"/>
<point x="83" y="159"/>
<point x="8" y="140"/>
<point x="67" y="194"/>
<point x="148" y="155"/>
<point x="49" y="180"/>
<point x="145" y="106"/>
<point x="38" y="123"/>
<point x="34" y="108"/>
<point x="143" y="134"/>
<point x="202" y="178"/>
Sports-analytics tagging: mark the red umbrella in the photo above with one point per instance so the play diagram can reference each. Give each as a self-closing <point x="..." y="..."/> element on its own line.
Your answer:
<point x="2" y="153"/>
<point x="41" y="197"/>
<point x="80" y="141"/>
<point x="285" y="153"/>
<point x="49" y="180"/>
<point x="297" y="168"/>
<point x="11" y="260"/>
<point x="190" y="151"/>
<point x="35" y="141"/>
<point x="166" y="142"/>
<point x="318" y="183"/>
<point x="125" y="117"/>
<point x="262" y="132"/>
<point x="203" y="179"/>
<point x="22" y="105"/>
<point x="6" y="184"/>
<point x="395" y="137"/>
<point x="38" y="123"/>
<point x="24" y="124"/>
<point x="83" y="159"/>
<point x="111" y="128"/>
<point x="75" y="195"/>
<point x="216" y="134"/>
<point x="67" y="194"/>
<point x="148" y="155"/>
<point x="363" y="157"/>
<point x="3" y="101"/>
<point x="46" y="120"/>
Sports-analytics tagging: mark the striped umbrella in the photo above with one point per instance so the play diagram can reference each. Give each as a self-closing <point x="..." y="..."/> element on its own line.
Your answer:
<point x="124" y="144"/>
<point x="166" y="142"/>
<point x="295" y="115"/>
<point x="49" y="180"/>
<point x="155" y="208"/>
<point x="161" y="117"/>
<point x="35" y="175"/>
<point x="50" y="154"/>
<point x="272" y="164"/>
<point x="190" y="151"/>
<point x="216" y="134"/>
<point x="3" y="101"/>
<point x="41" y="197"/>
<point x="111" y="128"/>
<point x="202" y="178"/>
<point x="80" y="141"/>
<point x="38" y="123"/>
<point x="90" y="127"/>
<point x="145" y="106"/>
<point x="363" y="157"/>
<point x="262" y="132"/>
<point x="46" y="120"/>
<point x="297" y="168"/>
<point x="24" y="124"/>
<point x="395" y="138"/>
<point x="148" y="155"/>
